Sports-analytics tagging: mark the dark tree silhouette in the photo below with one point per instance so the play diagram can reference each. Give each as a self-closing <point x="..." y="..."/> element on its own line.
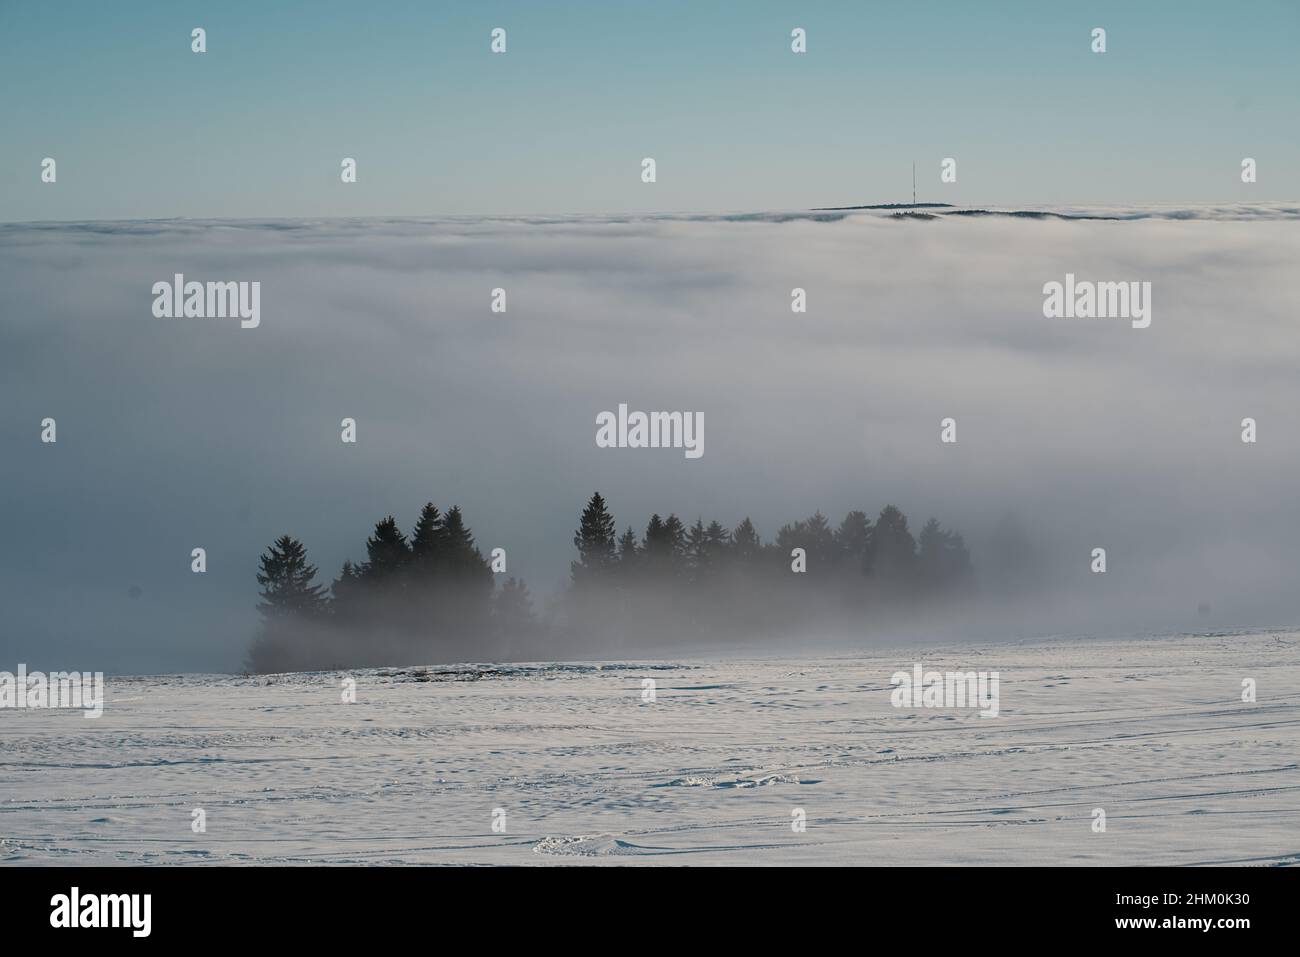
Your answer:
<point x="346" y="587"/>
<point x="853" y="538"/>
<point x="894" y="549"/>
<point x="814" y="536"/>
<point x="656" y="542"/>
<point x="464" y="593"/>
<point x="675" y="537"/>
<point x="706" y="546"/>
<point x="629" y="554"/>
<point x="461" y="556"/>
<point x="387" y="553"/>
<point x="292" y="606"/>
<point x="716" y="541"/>
<point x="594" y="541"/>
<point x="286" y="579"/>
<point x="433" y="598"/>
<point x="428" y="538"/>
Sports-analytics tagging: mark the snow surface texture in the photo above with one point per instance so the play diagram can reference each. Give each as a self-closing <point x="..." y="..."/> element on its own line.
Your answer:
<point x="1151" y="730"/>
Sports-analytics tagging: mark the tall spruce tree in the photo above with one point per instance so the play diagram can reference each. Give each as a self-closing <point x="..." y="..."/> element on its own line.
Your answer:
<point x="629" y="554"/>
<point x="675" y="536"/>
<point x="716" y="540"/>
<point x="654" y="539"/>
<point x="428" y="537"/>
<point x="387" y="553"/>
<point x="893" y="548"/>
<point x="852" y="538"/>
<point x="814" y="536"/>
<point x="595" y="542"/>
<point x="292" y="609"/>
<point x="461" y="558"/>
<point x="705" y="547"/>
<point x="428" y="549"/>
<point x="286" y="578"/>
<point x="464" y="589"/>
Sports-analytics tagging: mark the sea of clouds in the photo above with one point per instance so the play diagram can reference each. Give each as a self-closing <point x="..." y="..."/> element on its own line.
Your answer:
<point x="178" y="433"/>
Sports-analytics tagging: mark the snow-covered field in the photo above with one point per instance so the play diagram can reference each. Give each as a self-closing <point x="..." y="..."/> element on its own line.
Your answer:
<point x="1152" y="731"/>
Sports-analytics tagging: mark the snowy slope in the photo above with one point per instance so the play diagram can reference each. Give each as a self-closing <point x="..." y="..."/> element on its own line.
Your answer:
<point x="1151" y="730"/>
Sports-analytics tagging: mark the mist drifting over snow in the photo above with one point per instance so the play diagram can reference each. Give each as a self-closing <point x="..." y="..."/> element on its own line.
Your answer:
<point x="177" y="433"/>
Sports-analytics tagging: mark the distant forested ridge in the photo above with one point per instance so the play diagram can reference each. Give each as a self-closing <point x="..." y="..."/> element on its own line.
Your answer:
<point x="433" y="597"/>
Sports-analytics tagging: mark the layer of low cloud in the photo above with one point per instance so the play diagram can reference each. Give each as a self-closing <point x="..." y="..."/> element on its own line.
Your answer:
<point x="180" y="433"/>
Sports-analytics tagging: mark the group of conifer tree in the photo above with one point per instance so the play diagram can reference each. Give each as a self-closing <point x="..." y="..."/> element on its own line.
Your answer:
<point x="433" y="597"/>
<point x="429" y="597"/>
<point x="704" y="584"/>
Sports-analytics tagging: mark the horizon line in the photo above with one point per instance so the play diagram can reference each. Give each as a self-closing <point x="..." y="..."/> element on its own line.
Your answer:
<point x="719" y="214"/>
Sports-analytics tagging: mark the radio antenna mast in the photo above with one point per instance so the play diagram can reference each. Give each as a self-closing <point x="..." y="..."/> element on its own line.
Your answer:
<point x="913" y="182"/>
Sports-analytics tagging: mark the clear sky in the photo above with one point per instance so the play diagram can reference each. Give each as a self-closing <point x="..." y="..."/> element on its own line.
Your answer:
<point x="257" y="126"/>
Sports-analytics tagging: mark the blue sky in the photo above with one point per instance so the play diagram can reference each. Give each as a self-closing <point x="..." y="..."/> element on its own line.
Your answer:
<point x="256" y="127"/>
